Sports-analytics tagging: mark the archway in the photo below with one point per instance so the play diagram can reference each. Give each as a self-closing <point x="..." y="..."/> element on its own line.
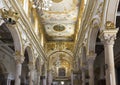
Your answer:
<point x="2" y="75"/>
<point x="10" y="42"/>
<point x="25" y="66"/>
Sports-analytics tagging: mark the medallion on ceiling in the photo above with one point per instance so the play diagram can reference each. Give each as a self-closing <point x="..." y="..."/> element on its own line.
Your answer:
<point x="59" y="28"/>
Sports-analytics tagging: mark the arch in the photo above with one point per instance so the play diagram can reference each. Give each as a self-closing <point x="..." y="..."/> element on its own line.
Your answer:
<point x="29" y="59"/>
<point x="16" y="37"/>
<point x="68" y="52"/>
<point x="92" y="36"/>
<point x="108" y="14"/>
<point x="68" y="58"/>
<point x="29" y="51"/>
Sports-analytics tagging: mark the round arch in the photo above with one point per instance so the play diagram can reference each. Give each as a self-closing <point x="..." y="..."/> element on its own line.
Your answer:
<point x="108" y="14"/>
<point x="16" y="37"/>
<point x="29" y="51"/>
<point x="92" y="36"/>
<point x="68" y="57"/>
<point x="53" y="52"/>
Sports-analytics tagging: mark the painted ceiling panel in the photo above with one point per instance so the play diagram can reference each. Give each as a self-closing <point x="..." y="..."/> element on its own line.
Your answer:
<point x="60" y="20"/>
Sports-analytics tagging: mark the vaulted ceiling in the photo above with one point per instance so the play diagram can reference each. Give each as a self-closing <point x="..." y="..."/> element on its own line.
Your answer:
<point x="60" y="20"/>
<point x="60" y="30"/>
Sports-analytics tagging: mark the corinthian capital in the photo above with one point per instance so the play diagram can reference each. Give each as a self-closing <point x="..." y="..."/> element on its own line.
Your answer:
<point x="19" y="58"/>
<point x="108" y="36"/>
<point x="91" y="58"/>
<point x="31" y="65"/>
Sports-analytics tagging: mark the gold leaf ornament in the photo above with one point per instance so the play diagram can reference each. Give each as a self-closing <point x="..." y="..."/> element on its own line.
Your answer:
<point x="57" y="1"/>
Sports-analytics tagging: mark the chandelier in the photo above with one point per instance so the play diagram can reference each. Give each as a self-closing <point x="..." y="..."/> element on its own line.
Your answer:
<point x="42" y="5"/>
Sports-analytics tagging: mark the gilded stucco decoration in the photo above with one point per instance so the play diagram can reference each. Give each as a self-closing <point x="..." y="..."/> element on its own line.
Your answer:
<point x="59" y="46"/>
<point x="19" y="58"/>
<point x="9" y="16"/>
<point x="60" y="60"/>
<point x="59" y="28"/>
<point x="110" y="25"/>
<point x="57" y="1"/>
<point x="63" y="14"/>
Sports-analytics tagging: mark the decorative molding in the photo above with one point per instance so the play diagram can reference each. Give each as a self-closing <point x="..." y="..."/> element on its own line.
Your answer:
<point x="9" y="16"/>
<point x="110" y="25"/>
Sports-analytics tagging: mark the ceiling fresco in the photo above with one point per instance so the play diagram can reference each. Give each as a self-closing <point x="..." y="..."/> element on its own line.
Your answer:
<point x="60" y="20"/>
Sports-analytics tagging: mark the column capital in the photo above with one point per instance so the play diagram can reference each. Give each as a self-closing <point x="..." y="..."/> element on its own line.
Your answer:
<point x="108" y="36"/>
<point x="39" y="71"/>
<point x="31" y="66"/>
<point x="19" y="58"/>
<point x="91" y="57"/>
<point x="83" y="68"/>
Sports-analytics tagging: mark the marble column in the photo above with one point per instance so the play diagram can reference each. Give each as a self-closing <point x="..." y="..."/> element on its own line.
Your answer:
<point x="108" y="37"/>
<point x="102" y="72"/>
<point x="19" y="60"/>
<point x="38" y="77"/>
<point x="72" y="77"/>
<point x="83" y="76"/>
<point x="8" y="77"/>
<point x="90" y="60"/>
<point x="50" y="78"/>
<point x="31" y="76"/>
<point x="45" y="76"/>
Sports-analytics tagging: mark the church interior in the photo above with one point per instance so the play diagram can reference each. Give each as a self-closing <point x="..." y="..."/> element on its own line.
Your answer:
<point x="59" y="42"/>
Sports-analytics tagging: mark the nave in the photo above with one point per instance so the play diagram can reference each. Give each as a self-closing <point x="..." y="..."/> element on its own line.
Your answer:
<point x="59" y="42"/>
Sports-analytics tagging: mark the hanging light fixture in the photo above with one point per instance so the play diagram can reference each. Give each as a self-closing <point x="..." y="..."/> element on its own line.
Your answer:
<point x="42" y="5"/>
<point x="58" y="61"/>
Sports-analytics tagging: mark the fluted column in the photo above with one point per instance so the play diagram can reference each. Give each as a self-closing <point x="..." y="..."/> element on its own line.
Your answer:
<point x="108" y="37"/>
<point x="91" y="59"/>
<point x="19" y="60"/>
<point x="32" y="69"/>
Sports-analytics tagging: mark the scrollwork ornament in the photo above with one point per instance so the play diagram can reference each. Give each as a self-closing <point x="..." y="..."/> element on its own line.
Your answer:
<point x="110" y="25"/>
